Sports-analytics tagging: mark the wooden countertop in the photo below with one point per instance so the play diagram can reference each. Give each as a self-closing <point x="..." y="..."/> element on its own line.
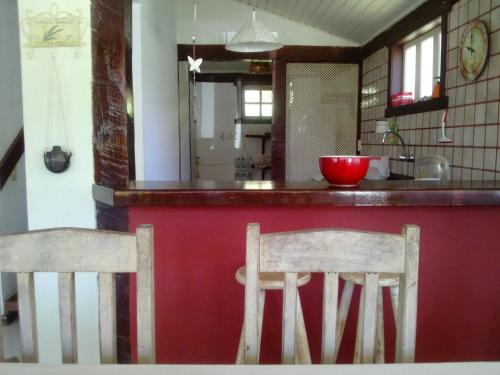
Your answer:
<point x="269" y="193"/>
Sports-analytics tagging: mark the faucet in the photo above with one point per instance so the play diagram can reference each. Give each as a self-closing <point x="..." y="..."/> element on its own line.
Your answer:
<point x="405" y="156"/>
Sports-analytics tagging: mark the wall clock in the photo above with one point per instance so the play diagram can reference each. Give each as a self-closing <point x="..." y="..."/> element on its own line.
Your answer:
<point x="473" y="50"/>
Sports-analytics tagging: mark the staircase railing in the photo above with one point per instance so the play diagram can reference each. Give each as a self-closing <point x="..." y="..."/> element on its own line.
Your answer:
<point x="11" y="158"/>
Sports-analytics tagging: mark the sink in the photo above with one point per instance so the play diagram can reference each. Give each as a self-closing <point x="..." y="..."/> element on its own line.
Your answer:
<point x="397" y="176"/>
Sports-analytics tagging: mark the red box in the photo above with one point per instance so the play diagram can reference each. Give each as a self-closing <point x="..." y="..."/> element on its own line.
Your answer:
<point x="401" y="98"/>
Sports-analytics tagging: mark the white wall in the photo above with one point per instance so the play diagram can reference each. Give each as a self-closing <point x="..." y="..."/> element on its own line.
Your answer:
<point x="13" y="217"/>
<point x="217" y="17"/>
<point x="60" y="199"/>
<point x="156" y="89"/>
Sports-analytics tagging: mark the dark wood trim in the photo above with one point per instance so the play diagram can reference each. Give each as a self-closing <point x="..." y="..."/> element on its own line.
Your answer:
<point x="444" y="53"/>
<point x="274" y="193"/>
<point x="217" y="52"/>
<point x="113" y="131"/>
<point x="278" y="129"/>
<point x="246" y="78"/>
<point x="127" y="6"/>
<point x="421" y="16"/>
<point x="11" y="158"/>
<point x="418" y="107"/>
<point x="117" y="219"/>
<point x="395" y="84"/>
<point x="110" y="88"/>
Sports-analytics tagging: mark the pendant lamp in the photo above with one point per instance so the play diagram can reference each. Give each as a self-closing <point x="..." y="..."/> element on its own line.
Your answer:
<point x="253" y="37"/>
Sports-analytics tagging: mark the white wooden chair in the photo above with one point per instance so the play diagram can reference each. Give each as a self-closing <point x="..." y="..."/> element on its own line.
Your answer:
<point x="331" y="252"/>
<point x="67" y="251"/>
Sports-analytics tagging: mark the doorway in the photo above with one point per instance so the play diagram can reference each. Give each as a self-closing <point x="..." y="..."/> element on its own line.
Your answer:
<point x="225" y="121"/>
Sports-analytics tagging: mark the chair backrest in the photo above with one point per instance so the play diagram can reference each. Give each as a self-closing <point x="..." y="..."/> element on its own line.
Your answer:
<point x="67" y="251"/>
<point x="332" y="251"/>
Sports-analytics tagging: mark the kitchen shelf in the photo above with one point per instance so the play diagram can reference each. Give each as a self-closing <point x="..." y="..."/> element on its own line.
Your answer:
<point x="418" y="107"/>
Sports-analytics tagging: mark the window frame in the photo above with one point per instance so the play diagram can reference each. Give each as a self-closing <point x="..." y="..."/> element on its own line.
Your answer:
<point x="395" y="69"/>
<point x="435" y="33"/>
<point x="255" y="119"/>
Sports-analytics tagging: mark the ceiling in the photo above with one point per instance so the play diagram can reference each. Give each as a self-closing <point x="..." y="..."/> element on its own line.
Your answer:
<point x="358" y="20"/>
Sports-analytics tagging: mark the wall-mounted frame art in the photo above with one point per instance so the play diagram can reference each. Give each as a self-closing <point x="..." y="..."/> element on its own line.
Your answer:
<point x="53" y="28"/>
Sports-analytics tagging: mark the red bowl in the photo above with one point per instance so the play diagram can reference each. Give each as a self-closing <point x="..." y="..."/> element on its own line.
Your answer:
<point x="345" y="171"/>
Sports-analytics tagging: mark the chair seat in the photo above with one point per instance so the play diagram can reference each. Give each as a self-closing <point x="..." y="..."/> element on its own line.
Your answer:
<point x="385" y="279"/>
<point x="271" y="280"/>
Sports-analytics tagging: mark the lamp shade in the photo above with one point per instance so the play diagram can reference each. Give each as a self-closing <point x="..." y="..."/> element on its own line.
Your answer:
<point x="253" y="37"/>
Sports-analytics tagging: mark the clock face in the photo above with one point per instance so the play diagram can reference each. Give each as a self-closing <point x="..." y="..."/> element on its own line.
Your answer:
<point x="473" y="50"/>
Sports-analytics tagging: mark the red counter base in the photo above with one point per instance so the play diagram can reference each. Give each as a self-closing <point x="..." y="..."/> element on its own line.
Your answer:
<point x="199" y="305"/>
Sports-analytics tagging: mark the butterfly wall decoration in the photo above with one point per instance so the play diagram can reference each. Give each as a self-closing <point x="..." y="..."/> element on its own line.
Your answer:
<point x="194" y="65"/>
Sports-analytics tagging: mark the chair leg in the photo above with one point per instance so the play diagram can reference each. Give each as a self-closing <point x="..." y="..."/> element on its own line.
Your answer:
<point x="345" y="301"/>
<point x="359" y="329"/>
<point x="240" y="357"/>
<point x="395" y="300"/>
<point x="301" y="343"/>
<point x="241" y="346"/>
<point x="262" y="301"/>
<point x="380" y="344"/>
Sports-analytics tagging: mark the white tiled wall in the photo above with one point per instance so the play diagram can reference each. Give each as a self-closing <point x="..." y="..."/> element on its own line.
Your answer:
<point x="473" y="113"/>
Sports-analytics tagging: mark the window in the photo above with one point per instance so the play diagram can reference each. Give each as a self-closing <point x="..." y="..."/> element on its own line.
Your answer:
<point x="257" y="103"/>
<point x="421" y="64"/>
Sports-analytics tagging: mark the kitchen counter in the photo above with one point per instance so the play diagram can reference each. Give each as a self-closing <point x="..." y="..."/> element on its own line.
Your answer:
<point x="200" y="232"/>
<point x="267" y="193"/>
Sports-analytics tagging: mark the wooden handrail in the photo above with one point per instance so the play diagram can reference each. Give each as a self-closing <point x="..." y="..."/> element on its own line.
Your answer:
<point x="11" y="158"/>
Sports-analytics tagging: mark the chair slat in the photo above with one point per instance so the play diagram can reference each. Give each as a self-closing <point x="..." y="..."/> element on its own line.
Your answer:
<point x="146" y="347"/>
<point x="407" y="305"/>
<point x="359" y="329"/>
<point x="67" y="312"/>
<point x="345" y="302"/>
<point x="330" y="298"/>
<point x="331" y="251"/>
<point x="303" y="353"/>
<point x="27" y="316"/>
<point x="60" y="250"/>
<point x="289" y="318"/>
<point x="252" y="295"/>
<point x="369" y="318"/>
<point x="380" y="343"/>
<point x="107" y="318"/>
<point x="395" y="300"/>
<point x="262" y="302"/>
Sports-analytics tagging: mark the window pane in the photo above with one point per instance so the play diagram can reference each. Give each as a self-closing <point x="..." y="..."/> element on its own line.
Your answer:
<point x="252" y="96"/>
<point x="410" y="61"/>
<point x="426" y="67"/>
<point x="267" y="110"/>
<point x="267" y="96"/>
<point x="252" y="110"/>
